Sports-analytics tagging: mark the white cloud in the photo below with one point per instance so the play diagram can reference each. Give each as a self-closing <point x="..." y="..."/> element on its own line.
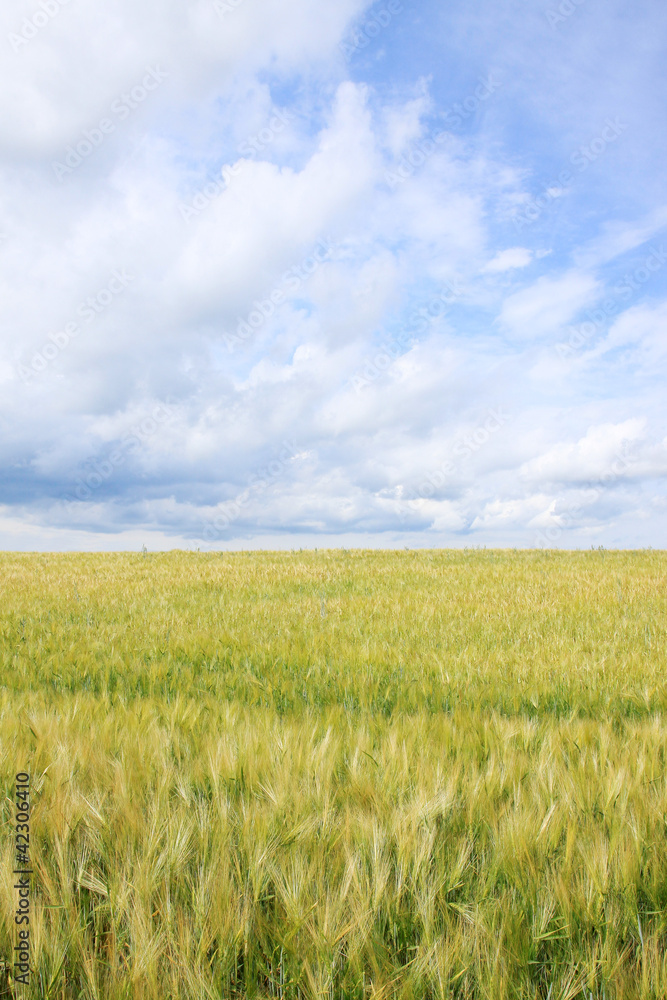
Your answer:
<point x="507" y="260"/>
<point x="501" y="514"/>
<point x="547" y="305"/>
<point x="640" y="332"/>
<point x="269" y="218"/>
<point x="589" y="458"/>
<point x="619" y="238"/>
<point x="65" y="79"/>
<point x="403" y="122"/>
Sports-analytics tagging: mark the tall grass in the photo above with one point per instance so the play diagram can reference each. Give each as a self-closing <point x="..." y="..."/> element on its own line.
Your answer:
<point x="339" y="775"/>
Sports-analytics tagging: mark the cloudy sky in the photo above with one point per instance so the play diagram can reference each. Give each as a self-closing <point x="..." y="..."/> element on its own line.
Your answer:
<point x="332" y="274"/>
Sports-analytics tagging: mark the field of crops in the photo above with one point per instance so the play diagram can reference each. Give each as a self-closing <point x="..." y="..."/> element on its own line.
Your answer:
<point x="338" y="774"/>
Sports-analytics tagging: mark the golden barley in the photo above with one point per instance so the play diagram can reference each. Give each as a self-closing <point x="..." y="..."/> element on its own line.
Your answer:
<point x="452" y="784"/>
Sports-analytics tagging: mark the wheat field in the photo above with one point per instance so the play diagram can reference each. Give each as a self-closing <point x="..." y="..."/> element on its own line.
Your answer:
<point x="425" y="774"/>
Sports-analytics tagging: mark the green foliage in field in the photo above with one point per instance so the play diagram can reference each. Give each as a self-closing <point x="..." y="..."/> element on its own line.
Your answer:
<point x="298" y="775"/>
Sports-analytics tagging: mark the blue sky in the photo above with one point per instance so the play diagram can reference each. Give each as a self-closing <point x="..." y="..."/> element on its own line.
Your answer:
<point x="387" y="274"/>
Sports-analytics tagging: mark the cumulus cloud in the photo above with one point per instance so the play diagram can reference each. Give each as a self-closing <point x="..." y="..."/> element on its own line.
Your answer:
<point x="258" y="288"/>
<point x="587" y="459"/>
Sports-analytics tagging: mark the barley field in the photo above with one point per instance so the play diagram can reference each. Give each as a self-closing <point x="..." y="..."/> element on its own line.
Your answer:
<point x="424" y="774"/>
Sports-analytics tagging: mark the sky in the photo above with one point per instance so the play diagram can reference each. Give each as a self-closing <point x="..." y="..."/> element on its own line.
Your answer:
<point x="312" y="274"/>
